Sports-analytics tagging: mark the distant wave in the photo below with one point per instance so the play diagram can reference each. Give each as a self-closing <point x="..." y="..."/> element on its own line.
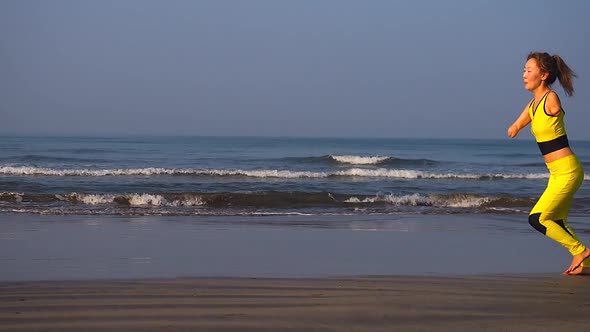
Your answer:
<point x="268" y="173"/>
<point x="153" y="171"/>
<point x="360" y="160"/>
<point x="44" y="171"/>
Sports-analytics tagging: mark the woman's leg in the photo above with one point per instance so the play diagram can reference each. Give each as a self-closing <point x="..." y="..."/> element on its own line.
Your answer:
<point x="546" y="215"/>
<point x="549" y="215"/>
<point x="564" y="217"/>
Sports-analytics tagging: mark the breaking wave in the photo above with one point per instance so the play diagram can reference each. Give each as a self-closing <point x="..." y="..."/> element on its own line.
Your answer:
<point x="268" y="200"/>
<point x="358" y="160"/>
<point x="264" y="173"/>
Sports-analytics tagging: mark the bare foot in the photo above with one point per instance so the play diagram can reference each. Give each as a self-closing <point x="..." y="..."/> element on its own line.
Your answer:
<point x="578" y="271"/>
<point x="577" y="260"/>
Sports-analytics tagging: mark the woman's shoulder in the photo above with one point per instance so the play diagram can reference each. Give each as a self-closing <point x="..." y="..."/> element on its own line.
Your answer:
<point x="552" y="103"/>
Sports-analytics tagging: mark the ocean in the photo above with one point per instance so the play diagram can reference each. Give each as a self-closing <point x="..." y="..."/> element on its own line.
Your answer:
<point x="196" y="176"/>
<point x="114" y="192"/>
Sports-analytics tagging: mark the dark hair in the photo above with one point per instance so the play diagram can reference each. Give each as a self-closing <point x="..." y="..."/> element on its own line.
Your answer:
<point x="556" y="68"/>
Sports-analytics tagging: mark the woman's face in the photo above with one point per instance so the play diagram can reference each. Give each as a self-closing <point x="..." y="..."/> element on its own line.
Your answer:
<point x="533" y="77"/>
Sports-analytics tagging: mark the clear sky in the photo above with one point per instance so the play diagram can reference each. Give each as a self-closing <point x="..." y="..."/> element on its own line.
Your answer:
<point x="421" y="68"/>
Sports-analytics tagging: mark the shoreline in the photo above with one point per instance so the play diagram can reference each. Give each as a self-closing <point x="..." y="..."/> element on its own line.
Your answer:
<point x="36" y="248"/>
<point x="408" y="303"/>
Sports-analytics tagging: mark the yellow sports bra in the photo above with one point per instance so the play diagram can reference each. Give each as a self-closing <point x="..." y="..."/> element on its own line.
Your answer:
<point x="549" y="130"/>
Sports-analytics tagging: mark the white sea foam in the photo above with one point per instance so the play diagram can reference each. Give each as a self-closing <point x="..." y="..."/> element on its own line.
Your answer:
<point x="403" y="174"/>
<point x="188" y="201"/>
<point x="29" y="170"/>
<point x="414" y="199"/>
<point x="460" y="201"/>
<point x="285" y="174"/>
<point x="18" y="197"/>
<point x="358" y="160"/>
<point x="268" y="173"/>
<point x="93" y="199"/>
<point x="138" y="200"/>
<point x="146" y="199"/>
<point x="256" y="213"/>
<point x="10" y="193"/>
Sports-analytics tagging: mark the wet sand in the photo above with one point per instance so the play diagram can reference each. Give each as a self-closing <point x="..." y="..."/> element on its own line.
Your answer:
<point x="393" y="303"/>
<point x="34" y="248"/>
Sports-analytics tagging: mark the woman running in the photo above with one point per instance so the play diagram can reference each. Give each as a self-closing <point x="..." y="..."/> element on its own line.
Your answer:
<point x="544" y="113"/>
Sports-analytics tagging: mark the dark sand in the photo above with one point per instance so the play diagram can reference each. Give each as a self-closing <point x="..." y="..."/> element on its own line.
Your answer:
<point x="396" y="303"/>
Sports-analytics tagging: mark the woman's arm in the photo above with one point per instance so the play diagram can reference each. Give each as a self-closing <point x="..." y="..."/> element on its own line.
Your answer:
<point x="523" y="120"/>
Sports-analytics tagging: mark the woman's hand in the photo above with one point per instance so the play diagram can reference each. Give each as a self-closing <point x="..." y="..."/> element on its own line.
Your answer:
<point x="513" y="131"/>
<point x="523" y="120"/>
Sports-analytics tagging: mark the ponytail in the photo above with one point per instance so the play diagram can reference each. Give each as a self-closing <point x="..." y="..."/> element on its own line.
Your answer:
<point x="557" y="69"/>
<point x="565" y="75"/>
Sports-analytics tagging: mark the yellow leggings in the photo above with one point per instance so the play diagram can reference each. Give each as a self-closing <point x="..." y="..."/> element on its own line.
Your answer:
<point x="549" y="215"/>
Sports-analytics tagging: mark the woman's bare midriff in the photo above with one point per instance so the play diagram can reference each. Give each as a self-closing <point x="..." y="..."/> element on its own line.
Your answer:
<point x="555" y="155"/>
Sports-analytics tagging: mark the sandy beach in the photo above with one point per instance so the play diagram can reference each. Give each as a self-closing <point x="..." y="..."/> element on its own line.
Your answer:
<point x="60" y="273"/>
<point x="396" y="303"/>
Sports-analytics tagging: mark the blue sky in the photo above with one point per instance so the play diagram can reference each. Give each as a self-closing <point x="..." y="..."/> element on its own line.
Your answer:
<point x="282" y="68"/>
